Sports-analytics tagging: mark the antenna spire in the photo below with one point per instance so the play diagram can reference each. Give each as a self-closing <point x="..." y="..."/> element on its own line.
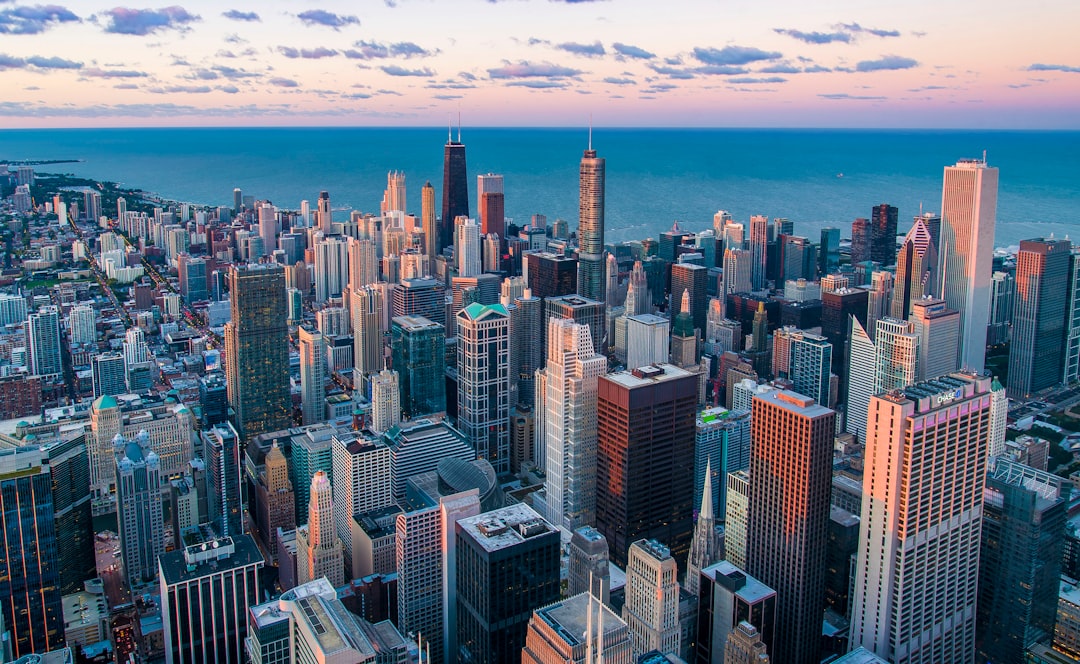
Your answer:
<point x="459" y="126"/>
<point x="590" y="131"/>
<point x="449" y="128"/>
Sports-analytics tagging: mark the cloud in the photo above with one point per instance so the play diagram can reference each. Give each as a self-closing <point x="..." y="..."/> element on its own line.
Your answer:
<point x="125" y="86"/>
<point x="177" y="89"/>
<point x="238" y="15"/>
<point x="97" y="72"/>
<point x="672" y="72"/>
<point x="307" y="53"/>
<point x="720" y="70"/>
<point x="593" y="50"/>
<point x="447" y="97"/>
<point x="170" y="110"/>
<point x="537" y="85"/>
<point x="1038" y="66"/>
<point x="619" y="81"/>
<point x="734" y="55"/>
<point x="127" y="21"/>
<point x="815" y="69"/>
<point x="632" y="51"/>
<point x="525" y="69"/>
<point x="284" y="82"/>
<point x="328" y="19"/>
<point x="780" y="68"/>
<point x="750" y="80"/>
<point x="232" y="73"/>
<point x="52" y="63"/>
<point x="356" y="95"/>
<point x="34" y="20"/>
<point x="815" y="37"/>
<point x="395" y="70"/>
<point x="369" y="50"/>
<point x="886" y="63"/>
<point x="858" y="29"/>
<point x="229" y="89"/>
<point x="846" y="96"/>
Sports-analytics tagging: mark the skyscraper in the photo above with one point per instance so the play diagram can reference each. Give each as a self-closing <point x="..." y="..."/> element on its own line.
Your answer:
<point x="331" y="266"/>
<point x="759" y="239"/>
<point x="744" y="646"/>
<point x="324" y="215"/>
<point x="721" y="446"/>
<point x="43" y="337"/>
<point x="860" y="241"/>
<point x="645" y="458"/>
<point x="276" y="501"/>
<point x="312" y="374"/>
<point x="257" y="349"/>
<point x="879" y="299"/>
<point x="108" y="374"/>
<point x="916" y="264"/>
<point x="467" y="248"/>
<point x="224" y="501"/>
<point x="455" y="202"/>
<point x="591" y="176"/>
<point x="1036" y="353"/>
<point x="966" y="251"/>
<point x="367" y="312"/>
<point x="690" y="278"/>
<point x="491" y="208"/>
<point x="938" y="328"/>
<point x="394" y="196"/>
<point x="362" y="482"/>
<point x="318" y="547"/>
<point x="589" y="570"/>
<point x="428" y="224"/>
<point x="811" y="367"/>
<point x="363" y="263"/>
<point x="527" y="322"/>
<point x="385" y="401"/>
<point x="922" y="500"/>
<point x="728" y="599"/>
<point x="572" y="630"/>
<point x="570" y="380"/>
<point x="483" y="363"/>
<point x="29" y="569"/>
<point x="418" y="354"/>
<point x="707" y="547"/>
<point x="139" y="509"/>
<point x="883" y="234"/>
<point x="829" y="250"/>
<point x="651" y="610"/>
<point x="790" y="483"/>
<point x="81" y="325"/>
<point x="1071" y="372"/>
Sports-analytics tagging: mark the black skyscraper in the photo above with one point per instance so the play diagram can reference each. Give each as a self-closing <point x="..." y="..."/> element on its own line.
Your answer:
<point x="455" y="194"/>
<point x="883" y="234"/>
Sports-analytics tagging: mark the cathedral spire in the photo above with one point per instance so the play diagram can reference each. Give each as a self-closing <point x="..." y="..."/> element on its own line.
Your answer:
<point x="706" y="494"/>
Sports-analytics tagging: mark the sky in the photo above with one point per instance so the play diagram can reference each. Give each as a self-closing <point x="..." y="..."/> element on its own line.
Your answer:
<point x="977" y="64"/>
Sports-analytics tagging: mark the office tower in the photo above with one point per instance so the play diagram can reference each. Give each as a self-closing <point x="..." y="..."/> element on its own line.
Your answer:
<point x="331" y="266"/>
<point x="922" y="500"/>
<point x="363" y="263"/>
<point x="897" y="347"/>
<point x="837" y="306"/>
<point x="507" y="566"/>
<point x="916" y="264"/>
<point x="999" y="419"/>
<point x="222" y="451"/>
<point x="684" y="338"/>
<point x="91" y="205"/>
<point x="418" y="354"/>
<point x="192" y="275"/>
<point x="257" y="349"/>
<point x="737" y="516"/>
<point x="491" y="209"/>
<point x="312" y="374"/>
<point x="30" y="591"/>
<point x="570" y="380"/>
<point x="652" y="599"/>
<point x="829" y="250"/>
<point x="428" y="223"/>
<point x="467" y="249"/>
<point x="43" y="337"/>
<point x="366" y="307"/>
<point x="275" y="502"/>
<point x="1023" y="528"/>
<point x="670" y="241"/>
<point x="738" y="275"/>
<point x="317" y="544"/>
<point x="646" y="340"/>
<point x="862" y="360"/>
<point x="611" y="277"/>
<point x="797" y="259"/>
<point x="455" y="202"/>
<point x="268" y="229"/>
<point x="744" y="646"/>
<point x="238" y="199"/>
<point x="385" y="401"/>
<point x="728" y="599"/>
<point x="707" y="546"/>
<point x="879" y="299"/>
<point x="108" y="374"/>
<point x="686" y="277"/>
<point x="966" y="250"/>
<point x="581" y="310"/>
<point x="491" y="252"/>
<point x="421" y="446"/>
<point x="362" y="482"/>
<point x="589" y="564"/>
<point x="67" y="463"/>
<point x="572" y="630"/>
<point x="551" y="275"/>
<point x="522" y="436"/>
<point x="1002" y="292"/>
<point x="759" y="238"/>
<point x="420" y="297"/>
<point x="1036" y="353"/>
<point x="645" y="458"/>
<point x="811" y="366"/>
<point x="206" y="590"/>
<point x="861" y="234"/>
<point x="311" y="452"/>
<point x="139" y="512"/>
<point x="394" y="196"/>
<point x="324" y="215"/>
<point x="483" y="396"/>
<point x="591" y="176"/>
<point x="938" y="328"/>
<point x="883" y="234"/>
<point x="831" y="283"/>
<point x="721" y="446"/>
<point x="527" y="323"/>
<point x="135" y="349"/>
<point x="790" y="482"/>
<point x="1071" y="360"/>
<point x="81" y="326"/>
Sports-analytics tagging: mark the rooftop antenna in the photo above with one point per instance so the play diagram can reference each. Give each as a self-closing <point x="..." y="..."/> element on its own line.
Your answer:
<point x="984" y="157"/>
<point x="449" y="128"/>
<point x="459" y="126"/>
<point x="920" y="208"/>
<point x="590" y="131"/>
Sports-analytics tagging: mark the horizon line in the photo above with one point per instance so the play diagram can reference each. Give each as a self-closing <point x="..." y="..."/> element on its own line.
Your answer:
<point x="555" y="128"/>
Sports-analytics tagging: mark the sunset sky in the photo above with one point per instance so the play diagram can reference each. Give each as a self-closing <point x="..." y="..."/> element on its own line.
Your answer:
<point x="728" y="63"/>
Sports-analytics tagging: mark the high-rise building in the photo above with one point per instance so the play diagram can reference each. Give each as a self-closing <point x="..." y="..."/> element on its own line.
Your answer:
<point x="361" y="480"/>
<point x="318" y="547"/>
<point x="922" y="500"/>
<point x="938" y="328"/>
<point x="737" y="516"/>
<point x="13" y="310"/>
<point x="455" y="202"/>
<point x="420" y="297"/>
<point x="690" y="278"/>
<point x="276" y="501"/>
<point x="467" y="248"/>
<point x="394" y="196"/>
<point x="790" y="483"/>
<point x="860" y="241"/>
<point x="591" y="176"/>
<point x="109" y="375"/>
<point x="385" y="401"/>
<point x="363" y="263"/>
<point x="1036" y="352"/>
<point x="81" y="326"/>
<point x="837" y="307"/>
<point x="728" y="599"/>
<point x="268" y="229"/>
<point x="528" y="329"/>
<point x="879" y="299"/>
<point x="572" y="630"/>
<point x="744" y="646"/>
<point x="707" y="546"/>
<point x="30" y="605"/>
<point x="139" y="509"/>
<point x="418" y="354"/>
<point x="897" y="347"/>
<point x="966" y="251"/>
<point x="645" y="458"/>
<point x="811" y="366"/>
<point x="721" y="446"/>
<point x="222" y="450"/>
<point x="883" y="234"/>
<point x="581" y="310"/>
<point x="759" y="240"/>
<point x="206" y="590"/>
<point x="366" y="307"/>
<point x="324" y="214"/>
<point x="257" y="349"/>
<point x="312" y="374"/>
<point x="507" y="566"/>
<point x="491" y="208"/>
<point x="916" y="264"/>
<point x="829" y="250"/>
<point x="1023" y="532"/>
<point x="43" y="337"/>
<point x="1071" y="361"/>
<point x="570" y="381"/>
<point x="651" y="610"/>
<point x="589" y="570"/>
<point x="483" y="398"/>
<point x="862" y="361"/>
<point x="551" y="275"/>
<point x="331" y="266"/>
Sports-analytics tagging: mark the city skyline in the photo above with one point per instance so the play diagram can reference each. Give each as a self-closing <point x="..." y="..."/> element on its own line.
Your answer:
<point x="537" y="63"/>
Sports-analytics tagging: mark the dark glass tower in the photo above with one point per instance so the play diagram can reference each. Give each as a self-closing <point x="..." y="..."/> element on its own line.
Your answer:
<point x="455" y="195"/>
<point x="418" y="352"/>
<point x="591" y="281"/>
<point x="883" y="234"/>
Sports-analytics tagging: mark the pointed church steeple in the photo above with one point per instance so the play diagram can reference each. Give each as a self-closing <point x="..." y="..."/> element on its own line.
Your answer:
<point x="706" y="494"/>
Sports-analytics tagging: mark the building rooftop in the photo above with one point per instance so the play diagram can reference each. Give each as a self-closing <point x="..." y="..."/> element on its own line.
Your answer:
<point x="209" y="558"/>
<point x="650" y="375"/>
<point x="569" y="618"/>
<point x="648" y="319"/>
<point x="794" y="402"/>
<point x="379" y="523"/>
<point x="859" y="656"/>
<point x="738" y="581"/>
<point x="1070" y="591"/>
<point x="414" y="323"/>
<point x="843" y="517"/>
<point x="505" y="527"/>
